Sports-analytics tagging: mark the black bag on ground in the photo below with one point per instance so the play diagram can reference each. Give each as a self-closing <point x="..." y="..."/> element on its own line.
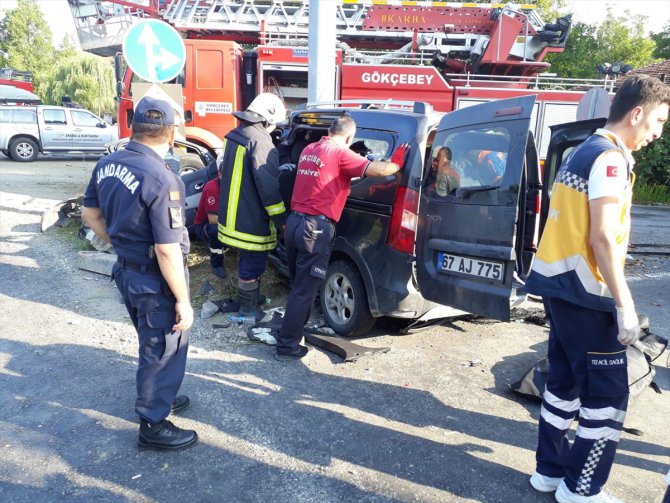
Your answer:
<point x="641" y="371"/>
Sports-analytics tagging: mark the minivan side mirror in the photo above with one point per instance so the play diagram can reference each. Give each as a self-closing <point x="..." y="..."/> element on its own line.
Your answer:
<point x="102" y="124"/>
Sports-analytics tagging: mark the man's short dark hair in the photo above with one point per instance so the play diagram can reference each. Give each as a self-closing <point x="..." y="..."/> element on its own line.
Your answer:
<point x="638" y="91"/>
<point x="155" y="133"/>
<point x="342" y="126"/>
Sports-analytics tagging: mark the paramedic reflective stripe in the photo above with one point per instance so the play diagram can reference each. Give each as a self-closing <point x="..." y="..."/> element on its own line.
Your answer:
<point x="276" y="209"/>
<point x="235" y="184"/>
<point x="565" y="405"/>
<point x="573" y="265"/>
<point x="603" y="414"/>
<point x="602" y="433"/>
<point x="558" y="422"/>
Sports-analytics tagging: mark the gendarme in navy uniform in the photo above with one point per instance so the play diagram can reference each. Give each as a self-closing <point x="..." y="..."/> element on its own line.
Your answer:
<point x="136" y="202"/>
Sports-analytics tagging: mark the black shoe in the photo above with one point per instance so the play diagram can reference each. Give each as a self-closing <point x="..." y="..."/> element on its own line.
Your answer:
<point x="291" y="355"/>
<point x="181" y="402"/>
<point x="220" y="271"/>
<point x="164" y="436"/>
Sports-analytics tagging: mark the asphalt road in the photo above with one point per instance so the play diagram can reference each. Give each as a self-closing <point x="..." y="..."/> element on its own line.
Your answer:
<point x="432" y="420"/>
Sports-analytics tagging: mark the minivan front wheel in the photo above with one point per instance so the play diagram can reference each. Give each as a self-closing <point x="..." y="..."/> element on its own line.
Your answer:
<point x="344" y="302"/>
<point x="23" y="150"/>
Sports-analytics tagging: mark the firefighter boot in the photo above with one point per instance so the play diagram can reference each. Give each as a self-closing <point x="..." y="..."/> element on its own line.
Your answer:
<point x="249" y="295"/>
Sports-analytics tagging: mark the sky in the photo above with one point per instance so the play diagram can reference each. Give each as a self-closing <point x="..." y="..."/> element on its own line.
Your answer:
<point x="57" y="12"/>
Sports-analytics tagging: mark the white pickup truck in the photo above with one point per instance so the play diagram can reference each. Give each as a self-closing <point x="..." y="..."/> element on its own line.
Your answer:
<point x="25" y="131"/>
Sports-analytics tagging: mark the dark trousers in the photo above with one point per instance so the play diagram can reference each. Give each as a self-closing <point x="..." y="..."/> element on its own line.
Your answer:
<point x="162" y="352"/>
<point x="252" y="264"/>
<point x="587" y="375"/>
<point x="208" y="233"/>
<point x="309" y="241"/>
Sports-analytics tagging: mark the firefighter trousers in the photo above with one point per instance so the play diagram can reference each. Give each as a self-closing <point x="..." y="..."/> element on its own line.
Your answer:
<point x="308" y="240"/>
<point x="587" y="377"/>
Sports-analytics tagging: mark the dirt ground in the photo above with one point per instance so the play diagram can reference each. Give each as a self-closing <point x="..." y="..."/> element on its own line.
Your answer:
<point x="432" y="420"/>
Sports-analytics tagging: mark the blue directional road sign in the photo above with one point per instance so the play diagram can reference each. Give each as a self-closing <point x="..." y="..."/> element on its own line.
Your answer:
<point x="154" y="50"/>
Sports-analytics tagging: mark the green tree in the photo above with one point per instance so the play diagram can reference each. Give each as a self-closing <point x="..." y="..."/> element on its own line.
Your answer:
<point x="618" y="38"/>
<point x="25" y="41"/>
<point x="87" y="79"/>
<point x="662" y="40"/>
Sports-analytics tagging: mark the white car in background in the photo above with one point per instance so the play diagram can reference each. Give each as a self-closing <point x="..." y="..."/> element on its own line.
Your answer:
<point x="25" y="131"/>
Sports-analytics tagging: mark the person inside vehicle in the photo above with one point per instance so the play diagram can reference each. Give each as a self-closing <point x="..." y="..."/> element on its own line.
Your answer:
<point x="447" y="179"/>
<point x="491" y="166"/>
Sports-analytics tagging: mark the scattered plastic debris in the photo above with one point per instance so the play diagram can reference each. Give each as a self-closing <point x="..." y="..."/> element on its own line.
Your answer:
<point x="208" y="309"/>
<point x="262" y="335"/>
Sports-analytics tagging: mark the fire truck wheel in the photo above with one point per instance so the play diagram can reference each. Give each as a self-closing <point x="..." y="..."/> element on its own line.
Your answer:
<point x="189" y="163"/>
<point x="23" y="150"/>
<point x="344" y="302"/>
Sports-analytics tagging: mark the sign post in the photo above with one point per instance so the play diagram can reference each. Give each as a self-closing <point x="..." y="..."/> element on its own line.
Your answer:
<point x="154" y="50"/>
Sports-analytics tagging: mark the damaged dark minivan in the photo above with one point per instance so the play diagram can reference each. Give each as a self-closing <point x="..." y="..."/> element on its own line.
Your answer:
<point x="408" y="250"/>
<point x="405" y="246"/>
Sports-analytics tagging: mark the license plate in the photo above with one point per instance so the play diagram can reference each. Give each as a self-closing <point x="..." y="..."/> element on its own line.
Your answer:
<point x="446" y="262"/>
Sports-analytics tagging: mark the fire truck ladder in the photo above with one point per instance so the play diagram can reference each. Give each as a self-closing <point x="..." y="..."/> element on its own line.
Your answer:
<point x="485" y="33"/>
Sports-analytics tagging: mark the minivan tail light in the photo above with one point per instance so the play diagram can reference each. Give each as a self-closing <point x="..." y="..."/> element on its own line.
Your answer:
<point x="404" y="219"/>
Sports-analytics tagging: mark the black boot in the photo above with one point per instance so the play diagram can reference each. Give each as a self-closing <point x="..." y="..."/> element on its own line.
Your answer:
<point x="218" y="267"/>
<point x="249" y="295"/>
<point x="164" y="436"/>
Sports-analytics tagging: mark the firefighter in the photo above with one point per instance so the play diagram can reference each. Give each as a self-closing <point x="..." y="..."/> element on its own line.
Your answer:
<point x="251" y="209"/>
<point x="135" y="202"/>
<point x="579" y="271"/>
<point x="321" y="186"/>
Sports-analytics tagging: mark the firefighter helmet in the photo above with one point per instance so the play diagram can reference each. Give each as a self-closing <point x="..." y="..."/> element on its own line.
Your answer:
<point x="266" y="107"/>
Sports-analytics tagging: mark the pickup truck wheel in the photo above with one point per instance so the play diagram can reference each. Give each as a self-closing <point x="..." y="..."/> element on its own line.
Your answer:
<point x="23" y="150"/>
<point x="344" y="302"/>
<point x="189" y="163"/>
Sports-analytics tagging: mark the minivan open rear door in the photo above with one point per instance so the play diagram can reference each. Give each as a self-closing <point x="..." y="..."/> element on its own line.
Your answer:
<point x="465" y="244"/>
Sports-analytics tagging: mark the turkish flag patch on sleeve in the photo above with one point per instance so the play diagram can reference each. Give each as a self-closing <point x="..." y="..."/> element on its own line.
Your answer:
<point x="612" y="171"/>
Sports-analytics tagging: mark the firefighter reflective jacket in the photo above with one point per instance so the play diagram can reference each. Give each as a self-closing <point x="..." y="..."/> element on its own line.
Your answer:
<point x="251" y="208"/>
<point x="565" y="265"/>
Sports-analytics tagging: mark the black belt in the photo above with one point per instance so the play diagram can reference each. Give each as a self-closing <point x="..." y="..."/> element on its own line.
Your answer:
<point x="320" y="217"/>
<point x="137" y="267"/>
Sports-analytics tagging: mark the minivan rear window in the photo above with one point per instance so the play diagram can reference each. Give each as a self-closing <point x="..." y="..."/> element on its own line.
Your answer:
<point x="468" y="157"/>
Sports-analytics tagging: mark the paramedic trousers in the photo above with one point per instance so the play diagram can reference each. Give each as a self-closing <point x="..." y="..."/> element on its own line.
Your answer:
<point x="587" y="375"/>
<point x="162" y="352"/>
<point x="308" y="241"/>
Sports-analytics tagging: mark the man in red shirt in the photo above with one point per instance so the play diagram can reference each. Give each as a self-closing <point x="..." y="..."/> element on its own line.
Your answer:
<point x="325" y="169"/>
<point x="205" y="224"/>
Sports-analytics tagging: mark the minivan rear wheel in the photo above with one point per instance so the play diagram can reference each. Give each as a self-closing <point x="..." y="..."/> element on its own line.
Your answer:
<point x="23" y="150"/>
<point x="344" y="302"/>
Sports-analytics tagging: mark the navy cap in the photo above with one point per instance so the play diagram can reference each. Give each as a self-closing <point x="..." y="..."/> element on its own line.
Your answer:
<point x="147" y="104"/>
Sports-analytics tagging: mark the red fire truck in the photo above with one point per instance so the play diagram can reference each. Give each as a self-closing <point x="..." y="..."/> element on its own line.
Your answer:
<point x="450" y="55"/>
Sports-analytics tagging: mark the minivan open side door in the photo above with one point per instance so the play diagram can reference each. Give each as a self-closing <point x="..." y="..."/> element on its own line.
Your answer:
<point x="467" y="227"/>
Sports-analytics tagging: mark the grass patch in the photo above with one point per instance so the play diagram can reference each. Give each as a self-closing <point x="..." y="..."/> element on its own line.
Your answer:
<point x="70" y="233"/>
<point x="273" y="284"/>
<point x="651" y="194"/>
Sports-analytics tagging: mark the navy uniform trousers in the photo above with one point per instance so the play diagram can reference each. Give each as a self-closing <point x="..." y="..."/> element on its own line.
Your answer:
<point x="308" y="240"/>
<point x="587" y="375"/>
<point x="162" y="352"/>
<point x="209" y="233"/>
